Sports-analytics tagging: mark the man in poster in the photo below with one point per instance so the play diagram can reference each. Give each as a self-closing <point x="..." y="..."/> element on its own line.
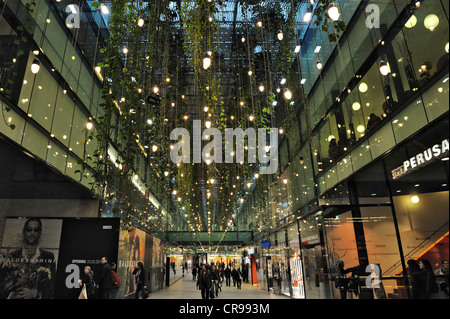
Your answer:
<point x="28" y="272"/>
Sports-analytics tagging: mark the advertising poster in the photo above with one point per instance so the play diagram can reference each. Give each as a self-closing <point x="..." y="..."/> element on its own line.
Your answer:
<point x="298" y="290"/>
<point x="84" y="242"/>
<point x="28" y="258"/>
<point x="131" y="251"/>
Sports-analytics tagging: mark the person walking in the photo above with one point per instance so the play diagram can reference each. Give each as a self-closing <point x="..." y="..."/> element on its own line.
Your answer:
<point x="234" y="275"/>
<point x="215" y="277"/>
<point x="228" y="276"/>
<point x="194" y="272"/>
<point x="105" y="282"/>
<point x="431" y="286"/>
<point x="204" y="282"/>
<point x="239" y="278"/>
<point x="139" y="273"/>
<point x="417" y="280"/>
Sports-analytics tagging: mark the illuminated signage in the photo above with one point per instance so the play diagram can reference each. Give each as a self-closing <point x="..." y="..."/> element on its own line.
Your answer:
<point x="424" y="158"/>
<point x="265" y="243"/>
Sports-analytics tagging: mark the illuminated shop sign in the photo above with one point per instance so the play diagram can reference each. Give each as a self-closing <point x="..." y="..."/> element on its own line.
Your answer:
<point x="265" y="243"/>
<point x="424" y="158"/>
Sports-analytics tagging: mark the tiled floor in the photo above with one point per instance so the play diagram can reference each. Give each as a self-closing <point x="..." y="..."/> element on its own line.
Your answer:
<point x="185" y="288"/>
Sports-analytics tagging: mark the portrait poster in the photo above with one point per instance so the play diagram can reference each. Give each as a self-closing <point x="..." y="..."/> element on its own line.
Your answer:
<point x="131" y="251"/>
<point x="28" y="258"/>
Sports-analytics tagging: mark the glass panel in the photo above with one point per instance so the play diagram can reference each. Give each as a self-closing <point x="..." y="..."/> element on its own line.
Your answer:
<point x="62" y="121"/>
<point x="382" y="141"/>
<point x="56" y="157"/>
<point x="78" y="133"/>
<point x="35" y="141"/>
<point x="361" y="156"/>
<point x="11" y="118"/>
<point x="436" y="99"/>
<point x="409" y="121"/>
<point x="43" y="99"/>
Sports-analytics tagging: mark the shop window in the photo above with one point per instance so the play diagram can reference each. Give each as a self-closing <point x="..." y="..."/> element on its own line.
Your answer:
<point x="436" y="98"/>
<point x="426" y="34"/>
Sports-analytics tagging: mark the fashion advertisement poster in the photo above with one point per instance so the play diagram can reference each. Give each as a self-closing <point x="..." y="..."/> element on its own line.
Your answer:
<point x="131" y="251"/>
<point x="28" y="258"/>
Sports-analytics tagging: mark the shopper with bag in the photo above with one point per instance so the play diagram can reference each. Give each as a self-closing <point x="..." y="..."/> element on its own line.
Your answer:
<point x="139" y="273"/>
<point x="87" y="284"/>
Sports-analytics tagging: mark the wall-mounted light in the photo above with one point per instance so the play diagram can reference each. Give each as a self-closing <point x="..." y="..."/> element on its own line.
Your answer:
<point x="35" y="66"/>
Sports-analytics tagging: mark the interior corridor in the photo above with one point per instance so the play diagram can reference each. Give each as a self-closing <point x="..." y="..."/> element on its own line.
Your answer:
<point x="185" y="288"/>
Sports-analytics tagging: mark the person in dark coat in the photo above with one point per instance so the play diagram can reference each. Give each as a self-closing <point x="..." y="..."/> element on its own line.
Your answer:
<point x="88" y="280"/>
<point x="417" y="280"/>
<point x="106" y="282"/>
<point x="204" y="282"/>
<point x="139" y="273"/>
<point x="431" y="286"/>
<point x="227" y="276"/>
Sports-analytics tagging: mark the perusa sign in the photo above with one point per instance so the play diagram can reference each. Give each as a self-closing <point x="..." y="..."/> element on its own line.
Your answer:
<point x="435" y="152"/>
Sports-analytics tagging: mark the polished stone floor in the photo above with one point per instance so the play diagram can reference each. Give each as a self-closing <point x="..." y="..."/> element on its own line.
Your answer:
<point x="185" y="288"/>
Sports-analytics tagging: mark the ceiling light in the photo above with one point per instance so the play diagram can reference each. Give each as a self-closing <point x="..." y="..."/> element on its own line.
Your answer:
<point x="356" y="106"/>
<point x="280" y="35"/>
<point x="288" y="94"/>
<point x="208" y="123"/>
<point x="411" y="22"/>
<point x="415" y="199"/>
<point x="431" y="21"/>
<point x="363" y="87"/>
<point x="140" y="22"/>
<point x="319" y="65"/>
<point x="206" y="61"/>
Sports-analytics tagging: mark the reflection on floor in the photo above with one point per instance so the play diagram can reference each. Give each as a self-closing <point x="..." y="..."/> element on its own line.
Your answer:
<point x="185" y="288"/>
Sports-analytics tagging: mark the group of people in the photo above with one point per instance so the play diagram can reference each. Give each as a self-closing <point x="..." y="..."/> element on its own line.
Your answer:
<point x="209" y="278"/>
<point x="426" y="282"/>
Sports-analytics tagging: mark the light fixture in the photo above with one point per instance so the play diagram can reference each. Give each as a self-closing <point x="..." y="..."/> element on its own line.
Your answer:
<point x="446" y="47"/>
<point x="384" y="68"/>
<point x="35" y="66"/>
<point x="411" y="22"/>
<point x="333" y="12"/>
<point x="287" y="94"/>
<point x="208" y="123"/>
<point x="104" y="9"/>
<point x="331" y="137"/>
<point x="415" y="199"/>
<point x="431" y="21"/>
<point x="166" y="173"/>
<point x="308" y="15"/>
<point x="156" y="89"/>
<point x="280" y="35"/>
<point x="125" y="50"/>
<point x="206" y="61"/>
<point x="89" y="125"/>
<point x="363" y="87"/>
<point x="140" y="22"/>
<point x="319" y="65"/>
<point x="297" y="49"/>
<point x="259" y="24"/>
<point x="243" y="39"/>
<point x="261" y="88"/>
<point x="360" y="128"/>
<point x="356" y="106"/>
<point x="154" y="148"/>
<point x="250" y="118"/>
<point x="285" y="181"/>
<point x="267" y="148"/>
